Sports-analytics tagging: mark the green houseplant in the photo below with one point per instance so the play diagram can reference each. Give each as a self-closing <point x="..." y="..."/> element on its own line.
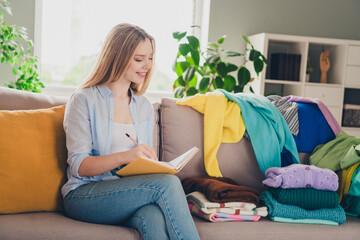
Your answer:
<point x="196" y="75"/>
<point x="16" y="50"/>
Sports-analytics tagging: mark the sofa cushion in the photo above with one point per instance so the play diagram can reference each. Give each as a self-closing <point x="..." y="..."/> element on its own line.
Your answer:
<point x="33" y="160"/>
<point x="54" y="225"/>
<point x="11" y="99"/>
<point x="183" y="127"/>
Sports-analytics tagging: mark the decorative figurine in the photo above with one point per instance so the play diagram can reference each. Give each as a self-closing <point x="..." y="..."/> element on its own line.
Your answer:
<point x="324" y="65"/>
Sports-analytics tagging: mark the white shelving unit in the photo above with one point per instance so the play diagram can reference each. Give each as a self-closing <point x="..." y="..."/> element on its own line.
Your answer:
<point x="343" y="77"/>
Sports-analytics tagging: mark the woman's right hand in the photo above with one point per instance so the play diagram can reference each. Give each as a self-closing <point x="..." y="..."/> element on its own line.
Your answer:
<point x="143" y="150"/>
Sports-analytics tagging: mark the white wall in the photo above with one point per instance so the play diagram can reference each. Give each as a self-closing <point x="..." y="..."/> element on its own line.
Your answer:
<point x="319" y="18"/>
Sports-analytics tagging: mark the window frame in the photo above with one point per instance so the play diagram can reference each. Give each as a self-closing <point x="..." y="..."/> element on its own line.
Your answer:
<point x="201" y="17"/>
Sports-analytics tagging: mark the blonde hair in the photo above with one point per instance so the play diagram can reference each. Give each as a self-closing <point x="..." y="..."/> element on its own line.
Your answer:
<point x="116" y="54"/>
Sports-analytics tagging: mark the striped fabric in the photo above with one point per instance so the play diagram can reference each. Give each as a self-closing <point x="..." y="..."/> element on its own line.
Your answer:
<point x="221" y="217"/>
<point x="207" y="207"/>
<point x="289" y="110"/>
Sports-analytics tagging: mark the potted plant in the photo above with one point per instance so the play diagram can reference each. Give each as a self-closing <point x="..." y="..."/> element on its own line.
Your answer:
<point x="196" y="75"/>
<point x="16" y="49"/>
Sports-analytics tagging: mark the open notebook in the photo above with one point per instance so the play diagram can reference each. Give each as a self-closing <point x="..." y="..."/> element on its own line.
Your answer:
<point x="144" y="165"/>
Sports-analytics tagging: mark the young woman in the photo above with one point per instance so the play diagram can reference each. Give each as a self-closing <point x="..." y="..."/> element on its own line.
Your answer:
<point x="97" y="117"/>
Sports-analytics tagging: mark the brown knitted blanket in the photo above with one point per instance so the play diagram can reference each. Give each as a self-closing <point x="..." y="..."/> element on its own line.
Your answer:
<point x="221" y="189"/>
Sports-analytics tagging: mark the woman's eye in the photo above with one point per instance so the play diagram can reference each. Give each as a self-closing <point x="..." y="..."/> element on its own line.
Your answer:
<point x="138" y="60"/>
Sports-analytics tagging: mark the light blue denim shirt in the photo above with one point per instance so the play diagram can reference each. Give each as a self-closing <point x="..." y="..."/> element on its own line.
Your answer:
<point x="88" y="123"/>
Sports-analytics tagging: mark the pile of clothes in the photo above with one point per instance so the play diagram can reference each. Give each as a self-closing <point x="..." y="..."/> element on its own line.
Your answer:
<point x="302" y="193"/>
<point x="342" y="155"/>
<point x="222" y="199"/>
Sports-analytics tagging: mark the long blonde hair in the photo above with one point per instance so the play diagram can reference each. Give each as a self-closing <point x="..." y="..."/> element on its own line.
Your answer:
<point x="116" y="55"/>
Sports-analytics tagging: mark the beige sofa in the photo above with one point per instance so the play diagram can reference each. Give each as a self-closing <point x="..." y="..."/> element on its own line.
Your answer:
<point x="177" y="129"/>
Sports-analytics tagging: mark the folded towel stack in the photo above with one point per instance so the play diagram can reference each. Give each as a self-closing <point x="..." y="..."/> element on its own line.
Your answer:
<point x="222" y="199"/>
<point x="302" y="193"/>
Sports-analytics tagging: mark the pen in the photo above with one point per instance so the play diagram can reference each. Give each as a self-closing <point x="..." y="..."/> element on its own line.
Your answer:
<point x="131" y="139"/>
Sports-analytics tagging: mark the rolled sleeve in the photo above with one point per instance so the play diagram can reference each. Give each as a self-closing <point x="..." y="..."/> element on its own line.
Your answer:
<point x="78" y="132"/>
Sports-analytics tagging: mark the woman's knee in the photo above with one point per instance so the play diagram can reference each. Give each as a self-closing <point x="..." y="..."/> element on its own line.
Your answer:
<point x="171" y="181"/>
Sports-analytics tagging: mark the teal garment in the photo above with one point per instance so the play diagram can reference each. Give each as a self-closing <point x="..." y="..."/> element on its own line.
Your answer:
<point x="268" y="131"/>
<point x="307" y="198"/>
<point x="337" y="154"/>
<point x="305" y="221"/>
<point x="351" y="205"/>
<point x="355" y="183"/>
<point x="276" y="209"/>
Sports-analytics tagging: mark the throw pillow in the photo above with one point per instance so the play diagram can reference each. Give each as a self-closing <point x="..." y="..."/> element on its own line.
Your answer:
<point x="32" y="160"/>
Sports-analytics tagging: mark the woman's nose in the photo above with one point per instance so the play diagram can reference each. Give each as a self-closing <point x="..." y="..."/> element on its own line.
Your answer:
<point x="147" y="64"/>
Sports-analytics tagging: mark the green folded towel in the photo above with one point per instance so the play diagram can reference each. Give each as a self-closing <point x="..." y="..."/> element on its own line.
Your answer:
<point x="307" y="198"/>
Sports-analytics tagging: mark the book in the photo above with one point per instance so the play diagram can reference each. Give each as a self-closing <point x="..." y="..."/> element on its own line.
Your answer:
<point x="143" y="165"/>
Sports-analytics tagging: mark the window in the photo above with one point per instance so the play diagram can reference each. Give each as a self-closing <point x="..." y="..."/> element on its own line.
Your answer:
<point x="72" y="33"/>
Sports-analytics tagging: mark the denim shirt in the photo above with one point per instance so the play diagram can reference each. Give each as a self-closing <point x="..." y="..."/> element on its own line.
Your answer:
<point x="88" y="124"/>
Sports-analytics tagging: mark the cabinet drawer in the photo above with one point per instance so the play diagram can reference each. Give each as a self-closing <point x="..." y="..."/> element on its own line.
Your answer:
<point x="352" y="76"/>
<point x="330" y="96"/>
<point x="353" y="55"/>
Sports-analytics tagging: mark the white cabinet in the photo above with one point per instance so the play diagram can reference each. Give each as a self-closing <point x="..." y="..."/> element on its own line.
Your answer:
<point x="343" y="78"/>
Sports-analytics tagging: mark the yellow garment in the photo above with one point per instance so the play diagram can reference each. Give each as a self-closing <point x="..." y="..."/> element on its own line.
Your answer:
<point x="345" y="180"/>
<point x="223" y="123"/>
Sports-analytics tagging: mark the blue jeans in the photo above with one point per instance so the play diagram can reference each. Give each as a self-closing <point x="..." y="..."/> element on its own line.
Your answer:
<point x="154" y="204"/>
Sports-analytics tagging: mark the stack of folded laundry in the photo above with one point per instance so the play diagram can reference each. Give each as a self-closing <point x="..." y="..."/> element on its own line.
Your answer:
<point x="222" y="199"/>
<point x="302" y="193"/>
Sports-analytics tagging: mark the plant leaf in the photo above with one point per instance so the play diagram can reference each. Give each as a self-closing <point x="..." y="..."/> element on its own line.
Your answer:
<point x="191" y="91"/>
<point x="194" y="42"/>
<point x="232" y="54"/>
<point x="254" y="55"/>
<point x="213" y="59"/>
<point x="218" y="82"/>
<point x="258" y="66"/>
<point x="221" y="40"/>
<point x="231" y="67"/>
<point x="179" y="35"/>
<point x="192" y="82"/>
<point x="251" y="89"/>
<point x="180" y="81"/>
<point x="204" y="84"/>
<point x="221" y="68"/>
<point x="243" y="76"/>
<point x="195" y="56"/>
<point x="189" y="74"/>
<point x="238" y="88"/>
<point x="246" y="39"/>
<point x="184" y="49"/>
<point x="179" y="92"/>
<point x="184" y="65"/>
<point x="229" y="83"/>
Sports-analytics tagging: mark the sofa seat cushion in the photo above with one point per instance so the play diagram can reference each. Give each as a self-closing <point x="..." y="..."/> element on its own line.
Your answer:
<point x="54" y="225"/>
<point x="267" y="229"/>
<point x="33" y="160"/>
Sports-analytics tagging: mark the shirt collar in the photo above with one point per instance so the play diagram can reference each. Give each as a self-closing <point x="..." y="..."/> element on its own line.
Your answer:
<point x="106" y="92"/>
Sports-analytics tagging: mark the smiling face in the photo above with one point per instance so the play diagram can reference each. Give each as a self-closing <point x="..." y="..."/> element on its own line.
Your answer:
<point x="140" y="64"/>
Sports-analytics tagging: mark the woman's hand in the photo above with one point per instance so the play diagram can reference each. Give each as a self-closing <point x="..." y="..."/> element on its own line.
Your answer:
<point x="143" y="150"/>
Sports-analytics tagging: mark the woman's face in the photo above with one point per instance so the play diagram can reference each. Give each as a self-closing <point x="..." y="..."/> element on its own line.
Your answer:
<point x="141" y="63"/>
